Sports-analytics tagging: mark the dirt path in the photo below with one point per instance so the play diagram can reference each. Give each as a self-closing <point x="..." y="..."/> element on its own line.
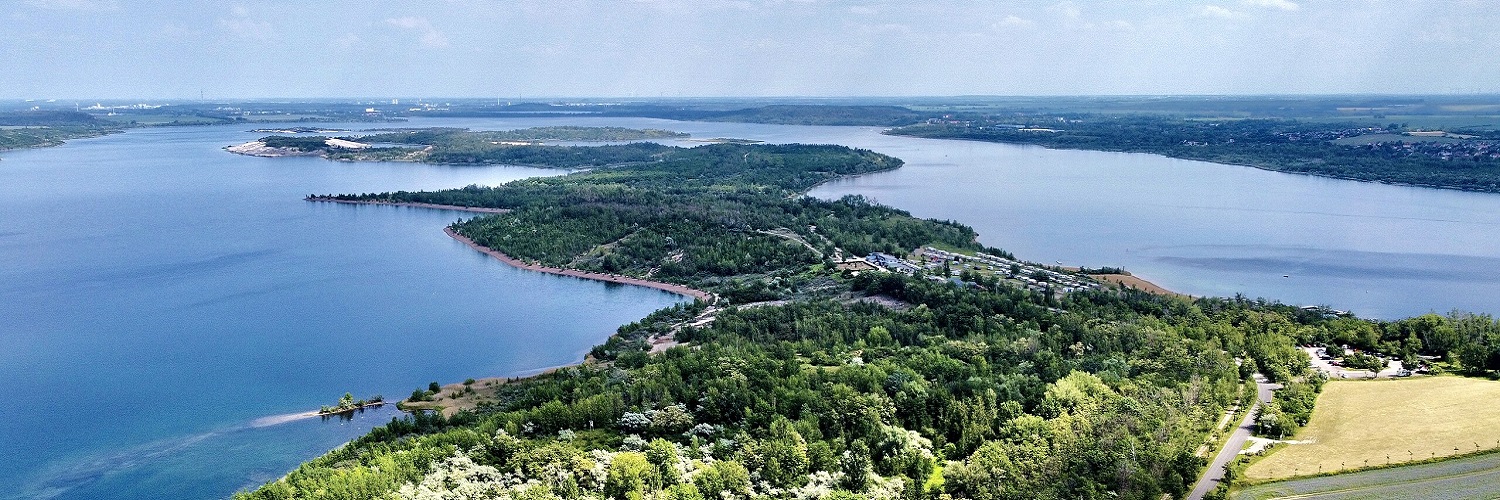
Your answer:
<point x="788" y="234"/>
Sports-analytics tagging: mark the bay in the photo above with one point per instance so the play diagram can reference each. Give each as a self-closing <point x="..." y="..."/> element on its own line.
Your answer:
<point x="1207" y="229"/>
<point x="160" y="297"/>
<point x="161" y="300"/>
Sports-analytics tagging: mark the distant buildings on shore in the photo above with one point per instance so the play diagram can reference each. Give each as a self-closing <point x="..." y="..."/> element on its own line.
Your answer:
<point x="934" y="261"/>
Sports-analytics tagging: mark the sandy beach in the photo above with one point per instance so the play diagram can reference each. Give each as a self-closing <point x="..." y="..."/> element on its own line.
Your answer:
<point x="434" y="206"/>
<point x="612" y="278"/>
<point x="1127" y="280"/>
<point x="454" y="398"/>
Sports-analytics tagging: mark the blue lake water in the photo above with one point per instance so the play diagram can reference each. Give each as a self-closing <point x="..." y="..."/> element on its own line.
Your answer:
<point x="1207" y="229"/>
<point x="160" y="298"/>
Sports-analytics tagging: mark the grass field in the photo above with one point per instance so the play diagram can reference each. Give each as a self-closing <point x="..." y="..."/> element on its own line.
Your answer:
<point x="1372" y="423"/>
<point x="1471" y="478"/>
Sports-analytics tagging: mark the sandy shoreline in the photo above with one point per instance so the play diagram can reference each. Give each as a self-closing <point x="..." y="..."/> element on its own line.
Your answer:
<point x="1127" y="280"/>
<point x="453" y="399"/>
<point x="413" y="204"/>
<point x="612" y="278"/>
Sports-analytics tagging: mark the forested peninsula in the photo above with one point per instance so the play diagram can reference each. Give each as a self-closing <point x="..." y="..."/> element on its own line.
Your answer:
<point x="1392" y="153"/>
<point x="32" y="129"/>
<point x="818" y="375"/>
<point x="457" y="146"/>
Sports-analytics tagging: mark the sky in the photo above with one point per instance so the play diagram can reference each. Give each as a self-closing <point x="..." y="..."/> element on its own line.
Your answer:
<point x="109" y="49"/>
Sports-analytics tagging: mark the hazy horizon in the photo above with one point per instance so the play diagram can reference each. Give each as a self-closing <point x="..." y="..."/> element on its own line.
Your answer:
<point x="862" y="99"/>
<point x="177" y="49"/>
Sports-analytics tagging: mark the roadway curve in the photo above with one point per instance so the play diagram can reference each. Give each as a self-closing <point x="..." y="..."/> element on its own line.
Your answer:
<point x="1215" y="471"/>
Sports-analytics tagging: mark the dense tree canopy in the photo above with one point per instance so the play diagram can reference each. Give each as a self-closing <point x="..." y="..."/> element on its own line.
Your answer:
<point x="980" y="390"/>
<point x="1274" y="144"/>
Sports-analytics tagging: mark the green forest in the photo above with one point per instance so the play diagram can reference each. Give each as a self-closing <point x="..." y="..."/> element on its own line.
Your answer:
<point x="555" y="133"/>
<point x="964" y="394"/>
<point x="726" y="218"/>
<point x="1274" y="144"/>
<point x="31" y="129"/>
<point x="456" y="146"/>
<point x="810" y="382"/>
<point x="34" y="137"/>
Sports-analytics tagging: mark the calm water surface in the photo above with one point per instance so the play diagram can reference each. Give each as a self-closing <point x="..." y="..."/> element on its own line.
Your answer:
<point x="1208" y="229"/>
<point x="160" y="298"/>
<point x="1194" y="227"/>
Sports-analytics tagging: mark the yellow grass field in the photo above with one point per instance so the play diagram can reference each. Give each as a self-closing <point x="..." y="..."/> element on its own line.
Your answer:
<point x="1395" y="420"/>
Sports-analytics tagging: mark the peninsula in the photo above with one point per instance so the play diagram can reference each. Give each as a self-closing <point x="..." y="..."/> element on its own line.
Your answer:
<point x="35" y="129"/>
<point x="846" y="347"/>
<point x="464" y="147"/>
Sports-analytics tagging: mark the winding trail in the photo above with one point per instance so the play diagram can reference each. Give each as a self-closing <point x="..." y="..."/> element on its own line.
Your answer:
<point x="1215" y="471"/>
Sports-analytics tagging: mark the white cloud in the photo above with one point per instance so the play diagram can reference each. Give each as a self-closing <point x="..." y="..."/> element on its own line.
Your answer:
<point x="248" y="28"/>
<point x="85" y="5"/>
<point x="1274" y="4"/>
<point x="1012" y="21"/>
<point x="244" y="25"/>
<point x="428" y="35"/>
<point x="1069" y="10"/>
<point x="348" y="41"/>
<point x="887" y="28"/>
<point x="1218" y="12"/>
<point x="177" y="31"/>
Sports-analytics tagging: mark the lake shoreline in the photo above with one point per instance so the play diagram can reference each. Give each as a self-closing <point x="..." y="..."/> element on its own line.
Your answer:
<point x="434" y="206"/>
<point x="1184" y="158"/>
<point x="609" y="278"/>
<point x="486" y="386"/>
<point x="1130" y="281"/>
<point x="460" y="396"/>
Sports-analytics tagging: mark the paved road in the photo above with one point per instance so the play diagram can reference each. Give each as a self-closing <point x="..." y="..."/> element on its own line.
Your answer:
<point x="1338" y="372"/>
<point x="1215" y="471"/>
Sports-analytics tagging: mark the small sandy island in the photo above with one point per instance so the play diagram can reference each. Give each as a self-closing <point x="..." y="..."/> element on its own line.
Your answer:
<point x="261" y="149"/>
<point x="258" y="148"/>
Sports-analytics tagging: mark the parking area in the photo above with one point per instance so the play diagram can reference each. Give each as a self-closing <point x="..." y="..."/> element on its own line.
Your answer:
<point x="1329" y="366"/>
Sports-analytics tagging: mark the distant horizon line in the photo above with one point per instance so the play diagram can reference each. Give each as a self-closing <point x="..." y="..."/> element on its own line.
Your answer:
<point x="752" y="98"/>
